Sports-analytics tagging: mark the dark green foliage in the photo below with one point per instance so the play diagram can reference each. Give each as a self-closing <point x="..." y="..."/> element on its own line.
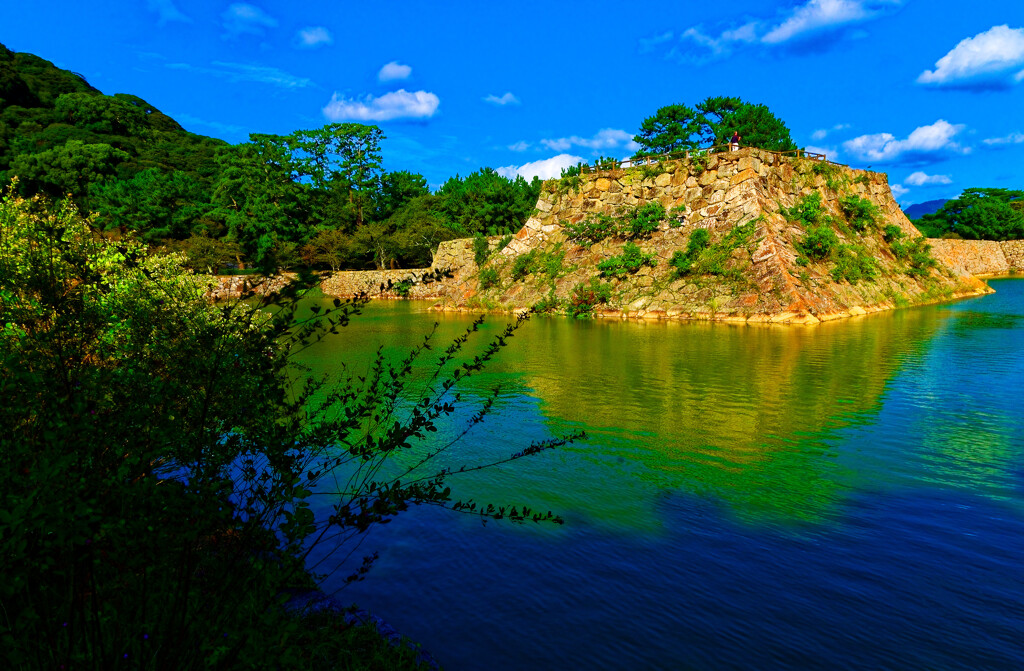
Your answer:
<point x="397" y="189"/>
<point x="682" y="261"/>
<point x="808" y="211"/>
<point x="892" y="232"/>
<point x="834" y="178"/>
<point x="481" y="249"/>
<point x="758" y="127"/>
<point x="586" y="296"/>
<point x="819" y="238"/>
<point x="645" y="220"/>
<point x="594" y="229"/>
<point x="677" y="215"/>
<point x="403" y="287"/>
<point x="485" y="202"/>
<point x="158" y="454"/>
<point x="551" y="262"/>
<point x="915" y="253"/>
<point x="639" y="223"/>
<point x="818" y="242"/>
<point x="672" y="128"/>
<point x="628" y="262"/>
<point x="204" y="254"/>
<point x="525" y="264"/>
<point x="549" y="303"/>
<point x="703" y="258"/>
<point x="537" y="261"/>
<point x="979" y="214"/>
<point x="712" y="122"/>
<point x="489" y="278"/>
<point x="859" y="212"/>
<point x="121" y="158"/>
<point x="853" y="263"/>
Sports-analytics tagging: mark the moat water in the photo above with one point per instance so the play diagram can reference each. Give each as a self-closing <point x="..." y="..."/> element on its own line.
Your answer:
<point x="848" y="496"/>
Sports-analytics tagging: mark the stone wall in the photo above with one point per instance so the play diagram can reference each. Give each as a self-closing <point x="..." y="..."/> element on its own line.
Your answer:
<point x="760" y="279"/>
<point x="453" y="261"/>
<point x="232" y="286"/>
<point x="980" y="257"/>
<point x="1013" y="250"/>
<point x="422" y="283"/>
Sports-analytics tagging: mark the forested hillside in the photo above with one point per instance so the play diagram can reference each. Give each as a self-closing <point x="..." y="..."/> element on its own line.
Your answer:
<point x="317" y="197"/>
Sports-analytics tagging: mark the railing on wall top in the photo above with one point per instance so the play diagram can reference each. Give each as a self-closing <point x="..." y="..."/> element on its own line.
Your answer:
<point x="654" y="159"/>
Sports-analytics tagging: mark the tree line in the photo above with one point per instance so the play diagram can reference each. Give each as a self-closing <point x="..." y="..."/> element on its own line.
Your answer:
<point x="318" y="197"/>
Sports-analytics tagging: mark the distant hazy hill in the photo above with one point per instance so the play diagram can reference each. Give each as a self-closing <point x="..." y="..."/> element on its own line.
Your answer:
<point x="920" y="209"/>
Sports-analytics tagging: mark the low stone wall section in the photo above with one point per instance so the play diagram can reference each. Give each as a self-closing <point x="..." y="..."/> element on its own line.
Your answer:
<point x="1013" y="250"/>
<point x="980" y="257"/>
<point x="233" y="286"/>
<point x="383" y="283"/>
<point x="453" y="260"/>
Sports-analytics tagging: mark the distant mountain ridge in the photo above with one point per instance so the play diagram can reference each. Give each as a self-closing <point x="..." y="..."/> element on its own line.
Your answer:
<point x="918" y="210"/>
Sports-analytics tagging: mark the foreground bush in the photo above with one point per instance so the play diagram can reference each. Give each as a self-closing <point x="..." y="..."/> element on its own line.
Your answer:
<point x="157" y="454"/>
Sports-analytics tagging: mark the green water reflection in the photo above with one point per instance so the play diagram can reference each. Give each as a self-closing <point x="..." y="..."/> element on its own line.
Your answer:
<point x="753" y="418"/>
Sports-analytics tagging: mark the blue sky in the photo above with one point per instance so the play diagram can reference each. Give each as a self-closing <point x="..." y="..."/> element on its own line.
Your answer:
<point x="929" y="91"/>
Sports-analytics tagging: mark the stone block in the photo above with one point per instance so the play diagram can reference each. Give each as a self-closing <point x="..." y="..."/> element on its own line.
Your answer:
<point x="603" y="184"/>
<point x="662" y="180"/>
<point x="544" y="206"/>
<point x="708" y="177"/>
<point x="743" y="175"/>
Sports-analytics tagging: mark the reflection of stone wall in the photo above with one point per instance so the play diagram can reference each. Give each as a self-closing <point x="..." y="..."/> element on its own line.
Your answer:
<point x="980" y="257"/>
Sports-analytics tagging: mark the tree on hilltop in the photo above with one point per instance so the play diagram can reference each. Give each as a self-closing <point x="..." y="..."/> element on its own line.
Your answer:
<point x="713" y="121"/>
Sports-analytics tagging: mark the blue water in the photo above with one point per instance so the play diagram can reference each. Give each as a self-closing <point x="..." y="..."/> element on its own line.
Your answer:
<point x="845" y="496"/>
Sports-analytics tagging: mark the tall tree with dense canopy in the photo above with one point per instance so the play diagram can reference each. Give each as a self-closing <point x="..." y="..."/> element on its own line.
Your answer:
<point x="712" y="122"/>
<point x="979" y="214"/>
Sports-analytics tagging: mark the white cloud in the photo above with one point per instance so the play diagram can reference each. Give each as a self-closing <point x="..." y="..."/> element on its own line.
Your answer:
<point x="241" y="18"/>
<point x="815" y="15"/>
<point x="166" y="11"/>
<point x="647" y="44"/>
<point x="809" y="18"/>
<point x="1012" y="138"/>
<point x="239" y="72"/>
<point x="519" y="146"/>
<point x="722" y="44"/>
<point x="394" y="70"/>
<point x="606" y="138"/>
<point x="314" y="35"/>
<point x="822" y="133"/>
<point x="990" y="53"/>
<point x="400" y="104"/>
<point x="548" y="168"/>
<point x="921" y="179"/>
<point x="899" y="190"/>
<point x="925" y="140"/>
<point x="507" y="99"/>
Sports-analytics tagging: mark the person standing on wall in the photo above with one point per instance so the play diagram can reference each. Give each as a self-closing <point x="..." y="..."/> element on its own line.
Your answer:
<point x="734" y="143"/>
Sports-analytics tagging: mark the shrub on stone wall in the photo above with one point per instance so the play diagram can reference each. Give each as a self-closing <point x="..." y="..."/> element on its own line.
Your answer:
<point x="489" y="278"/>
<point x="587" y="296"/>
<point x="628" y="262"/>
